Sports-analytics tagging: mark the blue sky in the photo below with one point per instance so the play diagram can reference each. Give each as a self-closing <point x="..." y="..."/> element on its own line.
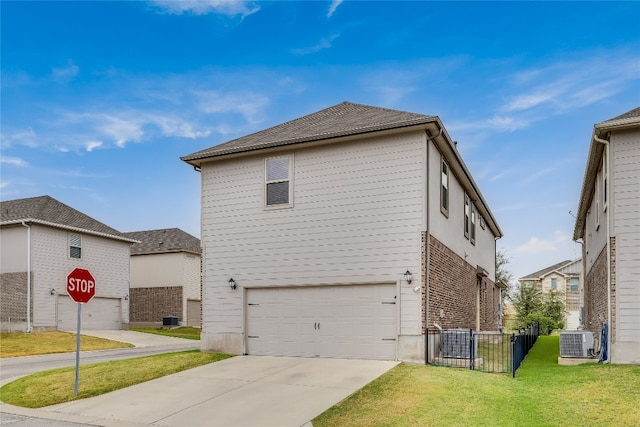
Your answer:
<point x="100" y="99"/>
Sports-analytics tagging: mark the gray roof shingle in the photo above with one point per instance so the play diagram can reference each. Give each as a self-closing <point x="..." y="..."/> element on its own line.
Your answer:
<point x="343" y="119"/>
<point x="163" y="241"/>
<point x="546" y="271"/>
<point x="47" y="210"/>
<point x="629" y="114"/>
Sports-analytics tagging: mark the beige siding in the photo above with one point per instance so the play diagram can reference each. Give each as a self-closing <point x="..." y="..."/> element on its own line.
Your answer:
<point x="357" y="218"/>
<point x="106" y="259"/>
<point x="13" y="246"/>
<point x="626" y="229"/>
<point x="450" y="229"/>
<point x="157" y="270"/>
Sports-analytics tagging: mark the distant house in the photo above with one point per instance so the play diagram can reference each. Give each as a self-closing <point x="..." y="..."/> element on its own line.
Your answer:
<point x="343" y="233"/>
<point x="566" y="278"/>
<point x="165" y="277"/>
<point x="42" y="241"/>
<point x="608" y="225"/>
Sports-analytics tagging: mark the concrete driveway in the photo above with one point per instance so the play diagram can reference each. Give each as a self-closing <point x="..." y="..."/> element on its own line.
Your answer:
<point x="241" y="391"/>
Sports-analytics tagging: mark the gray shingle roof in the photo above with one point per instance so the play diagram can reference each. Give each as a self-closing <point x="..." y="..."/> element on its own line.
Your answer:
<point x="546" y="271"/>
<point x="49" y="211"/>
<point x="344" y="119"/>
<point x="629" y="114"/>
<point x="163" y="241"/>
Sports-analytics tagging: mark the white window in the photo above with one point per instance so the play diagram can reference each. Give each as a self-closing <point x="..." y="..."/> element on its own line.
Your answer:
<point x="444" y="189"/>
<point x="75" y="246"/>
<point x="472" y="231"/>
<point x="278" y="189"/>
<point x="467" y="214"/>
<point x="554" y="283"/>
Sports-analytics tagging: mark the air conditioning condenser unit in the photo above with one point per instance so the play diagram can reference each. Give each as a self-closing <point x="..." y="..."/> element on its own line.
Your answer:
<point x="456" y="343"/>
<point x="576" y="343"/>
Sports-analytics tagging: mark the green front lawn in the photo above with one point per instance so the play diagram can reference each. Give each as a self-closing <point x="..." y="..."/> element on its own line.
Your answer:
<point x="542" y="394"/>
<point x="14" y="345"/>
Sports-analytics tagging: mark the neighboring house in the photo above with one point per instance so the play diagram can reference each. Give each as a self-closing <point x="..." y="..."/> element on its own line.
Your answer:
<point x="343" y="233"/>
<point x="42" y="241"/>
<point x="608" y="225"/>
<point x="566" y="278"/>
<point x="165" y="277"/>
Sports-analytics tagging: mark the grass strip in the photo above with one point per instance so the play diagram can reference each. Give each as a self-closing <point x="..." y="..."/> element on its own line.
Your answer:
<point x="543" y="394"/>
<point x="187" y="332"/>
<point x="14" y="345"/>
<point x="57" y="385"/>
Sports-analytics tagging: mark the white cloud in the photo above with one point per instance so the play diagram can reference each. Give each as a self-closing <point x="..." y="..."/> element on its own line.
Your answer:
<point x="92" y="145"/>
<point x="333" y="7"/>
<point x="25" y="137"/>
<point x="250" y="104"/>
<point x="65" y="73"/>
<point x="15" y="161"/>
<point x="536" y="245"/>
<point x="204" y="7"/>
<point x="325" y="43"/>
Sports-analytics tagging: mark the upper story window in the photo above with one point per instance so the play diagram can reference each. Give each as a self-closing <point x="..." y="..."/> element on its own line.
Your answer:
<point x="472" y="231"/>
<point x="467" y="214"/>
<point x="75" y="246"/>
<point x="574" y="284"/>
<point x="554" y="283"/>
<point x="278" y="181"/>
<point x="444" y="188"/>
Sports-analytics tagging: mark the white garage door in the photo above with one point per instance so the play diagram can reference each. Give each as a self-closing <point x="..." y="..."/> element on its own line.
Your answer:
<point x="329" y="321"/>
<point x="99" y="313"/>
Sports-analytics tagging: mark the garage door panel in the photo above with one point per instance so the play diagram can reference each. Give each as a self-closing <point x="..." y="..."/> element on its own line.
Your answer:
<point x="331" y="321"/>
<point x="99" y="313"/>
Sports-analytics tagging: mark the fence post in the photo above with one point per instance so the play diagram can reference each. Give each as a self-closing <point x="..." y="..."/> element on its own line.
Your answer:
<point x="513" y="355"/>
<point x="426" y="346"/>
<point x="471" y="351"/>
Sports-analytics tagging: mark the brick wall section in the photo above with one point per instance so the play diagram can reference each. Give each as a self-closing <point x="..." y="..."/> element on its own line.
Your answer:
<point x="13" y="304"/>
<point x="452" y="287"/>
<point x="489" y="302"/>
<point x="152" y="304"/>
<point x="595" y="294"/>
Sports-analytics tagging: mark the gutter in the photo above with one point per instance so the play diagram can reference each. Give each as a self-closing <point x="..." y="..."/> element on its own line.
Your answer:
<point x="28" y="275"/>
<point x="608" y="192"/>
<point x="69" y="228"/>
<point x="427" y="252"/>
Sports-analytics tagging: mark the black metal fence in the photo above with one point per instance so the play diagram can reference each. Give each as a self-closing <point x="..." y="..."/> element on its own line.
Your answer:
<point x="480" y="351"/>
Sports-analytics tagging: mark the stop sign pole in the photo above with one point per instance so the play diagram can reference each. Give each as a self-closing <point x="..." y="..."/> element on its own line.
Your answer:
<point x="81" y="287"/>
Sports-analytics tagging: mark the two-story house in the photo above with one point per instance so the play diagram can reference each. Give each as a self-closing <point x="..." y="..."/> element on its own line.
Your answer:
<point x="165" y="277"/>
<point x="343" y="233"/>
<point x="42" y="241"/>
<point x="608" y="225"/>
<point x="566" y="279"/>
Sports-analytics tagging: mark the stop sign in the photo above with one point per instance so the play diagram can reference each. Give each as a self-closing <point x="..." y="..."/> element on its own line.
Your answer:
<point x="81" y="285"/>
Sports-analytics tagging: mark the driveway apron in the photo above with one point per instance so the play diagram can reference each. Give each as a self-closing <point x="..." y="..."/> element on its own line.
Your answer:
<point x="241" y="391"/>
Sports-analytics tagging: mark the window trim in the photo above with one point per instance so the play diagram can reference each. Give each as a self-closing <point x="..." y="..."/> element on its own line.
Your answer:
<point x="71" y="246"/>
<point x="605" y="178"/>
<point x="289" y="180"/>
<point x="445" y="187"/>
<point x="596" y="198"/>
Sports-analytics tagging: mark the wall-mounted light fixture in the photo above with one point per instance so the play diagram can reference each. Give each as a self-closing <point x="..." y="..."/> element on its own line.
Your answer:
<point x="232" y="283"/>
<point x="126" y="297"/>
<point x="52" y="291"/>
<point x="408" y="276"/>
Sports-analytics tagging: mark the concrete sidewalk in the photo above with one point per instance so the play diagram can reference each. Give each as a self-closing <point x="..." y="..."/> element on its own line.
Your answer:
<point x="138" y="339"/>
<point x="241" y="391"/>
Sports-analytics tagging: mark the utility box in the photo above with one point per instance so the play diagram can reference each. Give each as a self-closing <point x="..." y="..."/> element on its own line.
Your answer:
<point x="169" y="321"/>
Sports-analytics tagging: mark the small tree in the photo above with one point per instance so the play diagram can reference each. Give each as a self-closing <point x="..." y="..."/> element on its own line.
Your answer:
<point x="527" y="300"/>
<point x="535" y="307"/>
<point x="503" y="274"/>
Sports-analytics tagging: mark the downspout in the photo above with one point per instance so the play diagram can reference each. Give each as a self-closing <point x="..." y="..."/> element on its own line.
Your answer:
<point x="28" y="275"/>
<point x="609" y="315"/>
<point x="427" y="253"/>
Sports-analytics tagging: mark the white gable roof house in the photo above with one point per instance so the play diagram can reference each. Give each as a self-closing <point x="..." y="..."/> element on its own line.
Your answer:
<point x="165" y="278"/>
<point x="566" y="278"/>
<point x="608" y="226"/>
<point x="42" y="241"/>
<point x="344" y="233"/>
